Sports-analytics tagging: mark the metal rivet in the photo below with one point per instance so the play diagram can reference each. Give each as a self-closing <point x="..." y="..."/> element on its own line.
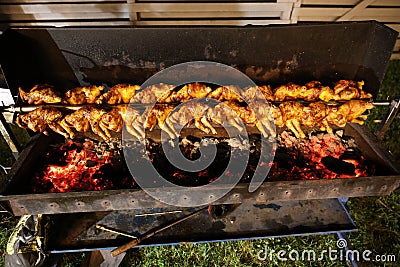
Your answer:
<point x="53" y="205"/>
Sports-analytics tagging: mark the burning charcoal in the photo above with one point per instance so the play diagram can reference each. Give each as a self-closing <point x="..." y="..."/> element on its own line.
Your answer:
<point x="284" y="160"/>
<point x="90" y="163"/>
<point x="193" y="139"/>
<point x="351" y="153"/>
<point x="338" y="166"/>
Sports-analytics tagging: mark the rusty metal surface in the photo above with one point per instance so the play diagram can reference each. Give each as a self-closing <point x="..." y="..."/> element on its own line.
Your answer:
<point x="9" y="137"/>
<point x="248" y="220"/>
<point x="53" y="203"/>
<point x="67" y="57"/>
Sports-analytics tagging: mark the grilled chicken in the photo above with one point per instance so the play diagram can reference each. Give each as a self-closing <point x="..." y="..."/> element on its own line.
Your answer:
<point x="232" y="111"/>
<point x="343" y="90"/>
<point x="77" y="121"/>
<point x="225" y="115"/>
<point x="40" y="94"/>
<point x="94" y="115"/>
<point x="157" y="116"/>
<point x="264" y="119"/>
<point x="189" y="113"/>
<point x="350" y="111"/>
<point x="226" y="93"/>
<point x="257" y="93"/>
<point x="39" y="119"/>
<point x="163" y="93"/>
<point x="134" y="122"/>
<point x="292" y="112"/>
<point x="118" y="94"/>
<point x="289" y="91"/>
<point x="153" y="94"/>
<point x="83" y="95"/>
<point x="84" y="119"/>
<point x="347" y="90"/>
<point x="187" y="92"/>
<point x="113" y="120"/>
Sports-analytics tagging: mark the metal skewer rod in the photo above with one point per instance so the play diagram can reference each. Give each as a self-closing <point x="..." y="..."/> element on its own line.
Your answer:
<point x="158" y="213"/>
<point x="104" y="228"/>
<point x="29" y="108"/>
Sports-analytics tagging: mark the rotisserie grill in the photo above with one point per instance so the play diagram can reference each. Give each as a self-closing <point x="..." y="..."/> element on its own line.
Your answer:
<point x="319" y="142"/>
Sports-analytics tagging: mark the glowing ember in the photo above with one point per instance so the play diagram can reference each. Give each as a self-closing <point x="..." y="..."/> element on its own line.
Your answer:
<point x="322" y="156"/>
<point x="91" y="166"/>
<point x="79" y="168"/>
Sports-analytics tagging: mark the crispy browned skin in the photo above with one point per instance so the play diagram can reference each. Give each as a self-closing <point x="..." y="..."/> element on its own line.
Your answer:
<point x="162" y="93"/>
<point x="83" y="95"/>
<point x="153" y="94"/>
<point x="224" y="114"/>
<point x="226" y="93"/>
<point x="187" y="92"/>
<point x="347" y="90"/>
<point x="232" y="111"/>
<point x="113" y="120"/>
<point x="257" y="93"/>
<point x="187" y="114"/>
<point x="343" y="90"/>
<point x="118" y="94"/>
<point x="77" y="121"/>
<point x="84" y="118"/>
<point x="40" y="94"/>
<point x="350" y="111"/>
<point x="292" y="112"/>
<point x="289" y="91"/>
<point x="39" y="119"/>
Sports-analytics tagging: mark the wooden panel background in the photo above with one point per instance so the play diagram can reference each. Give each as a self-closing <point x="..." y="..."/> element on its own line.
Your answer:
<point x="211" y="13"/>
<point x="385" y="11"/>
<point x="64" y="13"/>
<point x="198" y="12"/>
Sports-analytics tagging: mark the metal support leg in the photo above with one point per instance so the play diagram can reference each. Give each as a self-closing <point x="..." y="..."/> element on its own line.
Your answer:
<point x="8" y="135"/>
<point x="393" y="109"/>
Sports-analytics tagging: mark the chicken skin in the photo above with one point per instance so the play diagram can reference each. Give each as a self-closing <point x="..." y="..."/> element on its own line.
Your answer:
<point x="83" y="95"/>
<point x="42" y="118"/>
<point x="118" y="94"/>
<point x="40" y="94"/>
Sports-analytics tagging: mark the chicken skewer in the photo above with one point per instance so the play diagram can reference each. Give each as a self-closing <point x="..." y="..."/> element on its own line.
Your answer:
<point x="203" y="115"/>
<point x="290" y="113"/>
<point x="343" y="90"/>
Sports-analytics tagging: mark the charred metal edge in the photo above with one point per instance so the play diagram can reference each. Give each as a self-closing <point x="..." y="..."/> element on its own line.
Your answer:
<point x="330" y="214"/>
<point x="54" y="203"/>
<point x="375" y="145"/>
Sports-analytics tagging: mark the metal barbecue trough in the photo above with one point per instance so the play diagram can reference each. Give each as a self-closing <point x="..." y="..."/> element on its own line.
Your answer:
<point x="69" y="57"/>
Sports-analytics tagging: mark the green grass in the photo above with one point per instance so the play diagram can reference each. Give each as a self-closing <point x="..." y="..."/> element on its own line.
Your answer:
<point x="234" y="253"/>
<point x="378" y="220"/>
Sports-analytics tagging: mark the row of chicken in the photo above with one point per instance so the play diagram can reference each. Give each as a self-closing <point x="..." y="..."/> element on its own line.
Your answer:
<point x="203" y="115"/>
<point x="162" y="93"/>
